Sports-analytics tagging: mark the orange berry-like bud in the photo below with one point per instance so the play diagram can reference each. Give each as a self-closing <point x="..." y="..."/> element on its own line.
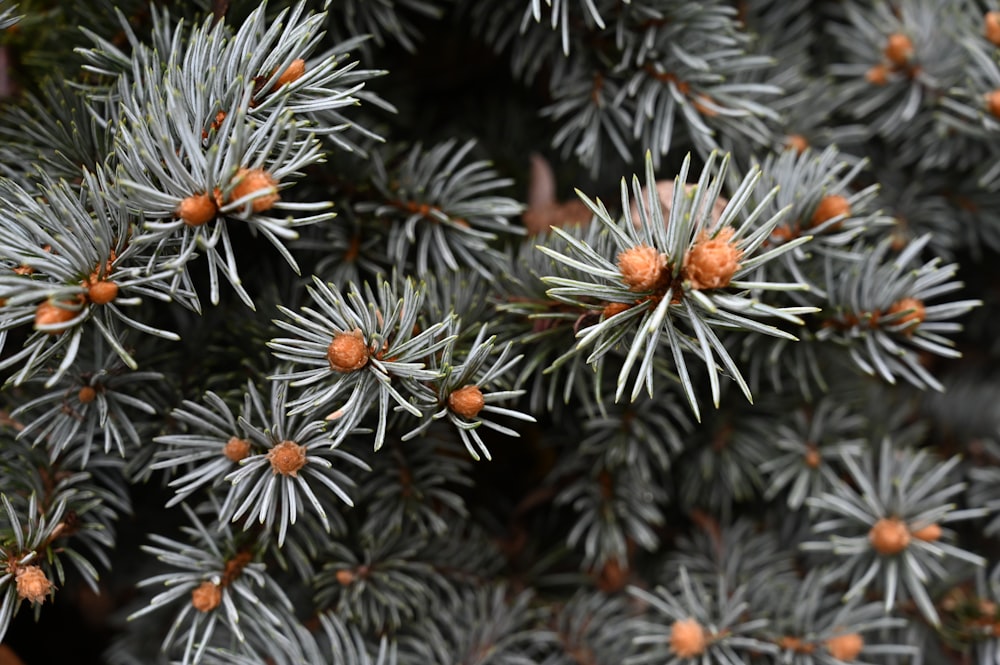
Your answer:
<point x="294" y="72"/>
<point x="642" y="267"/>
<point x="929" y="534"/>
<point x="207" y="596"/>
<point x="991" y="23"/>
<point x="796" y="142"/>
<point x="101" y="293"/>
<point x="253" y="181"/>
<point x="889" y="536"/>
<point x="812" y="458"/>
<point x="467" y="401"/>
<point x="344" y="577"/>
<point x="49" y="313"/>
<point x="993" y="103"/>
<point x="197" y="209"/>
<point x="86" y="395"/>
<point x="287" y="458"/>
<point x="32" y="584"/>
<point x="347" y="352"/>
<point x="687" y="638"/>
<point x="898" y="49"/>
<point x="877" y="75"/>
<point x="915" y="312"/>
<point x="846" y="647"/>
<point x="236" y="449"/>
<point x="833" y="205"/>
<point x="712" y="262"/>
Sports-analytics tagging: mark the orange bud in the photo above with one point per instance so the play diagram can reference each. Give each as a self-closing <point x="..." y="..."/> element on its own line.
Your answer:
<point x="347" y="352"/>
<point x="252" y="181"/>
<point x="467" y="401"/>
<point x="846" y="647"/>
<point x="287" y="458"/>
<point x="642" y="267"/>
<point x="898" y="49"/>
<point x="889" y="536"/>
<point x="687" y="638"/>
<point x="712" y="262"/>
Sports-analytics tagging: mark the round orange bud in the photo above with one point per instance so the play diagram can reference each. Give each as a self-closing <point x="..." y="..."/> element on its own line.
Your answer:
<point x="796" y="142"/>
<point x="32" y="584"/>
<point x="86" y="395"/>
<point x="467" y="401"/>
<point x="833" y="205"/>
<point x="253" y="181"/>
<point x="877" y="75"/>
<point x="347" y="352"/>
<point x="845" y="647"/>
<point x="928" y="534"/>
<point x="992" y="27"/>
<point x="49" y="313"/>
<point x="294" y="72"/>
<point x="197" y="209"/>
<point x="687" y="638"/>
<point x="898" y="49"/>
<point x="915" y="312"/>
<point x="889" y="536"/>
<point x="101" y="293"/>
<point x="345" y="577"/>
<point x="642" y="267"/>
<point x="236" y="449"/>
<point x="207" y="596"/>
<point x="287" y="458"/>
<point x="993" y="102"/>
<point x="712" y="262"/>
<point x="812" y="457"/>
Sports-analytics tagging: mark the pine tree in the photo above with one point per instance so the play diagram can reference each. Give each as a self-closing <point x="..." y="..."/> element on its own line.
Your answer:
<point x="555" y="332"/>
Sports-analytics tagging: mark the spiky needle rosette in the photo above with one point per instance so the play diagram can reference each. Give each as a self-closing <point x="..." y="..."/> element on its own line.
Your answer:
<point x="676" y="279"/>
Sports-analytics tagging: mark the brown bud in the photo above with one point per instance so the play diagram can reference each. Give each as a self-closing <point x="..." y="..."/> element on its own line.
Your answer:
<point x="712" y="262"/>
<point x="287" y="458"/>
<point x="207" y="596"/>
<point x="86" y="395"/>
<point x="915" y="312"/>
<point x="993" y="103"/>
<point x="101" y="293"/>
<point x="687" y="638"/>
<point x="254" y="181"/>
<point x="345" y="577"/>
<point x="812" y="458"/>
<point x="898" y="49"/>
<point x="833" y="205"/>
<point x="889" y="536"/>
<point x="49" y="313"/>
<point x="929" y="534"/>
<point x="991" y="22"/>
<point x="642" y="268"/>
<point x="236" y="449"/>
<point x="467" y="401"/>
<point x="32" y="584"/>
<point x="797" y="142"/>
<point x="877" y="75"/>
<point x="197" y="209"/>
<point x="347" y="352"/>
<point x="846" y="647"/>
<point x="294" y="72"/>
